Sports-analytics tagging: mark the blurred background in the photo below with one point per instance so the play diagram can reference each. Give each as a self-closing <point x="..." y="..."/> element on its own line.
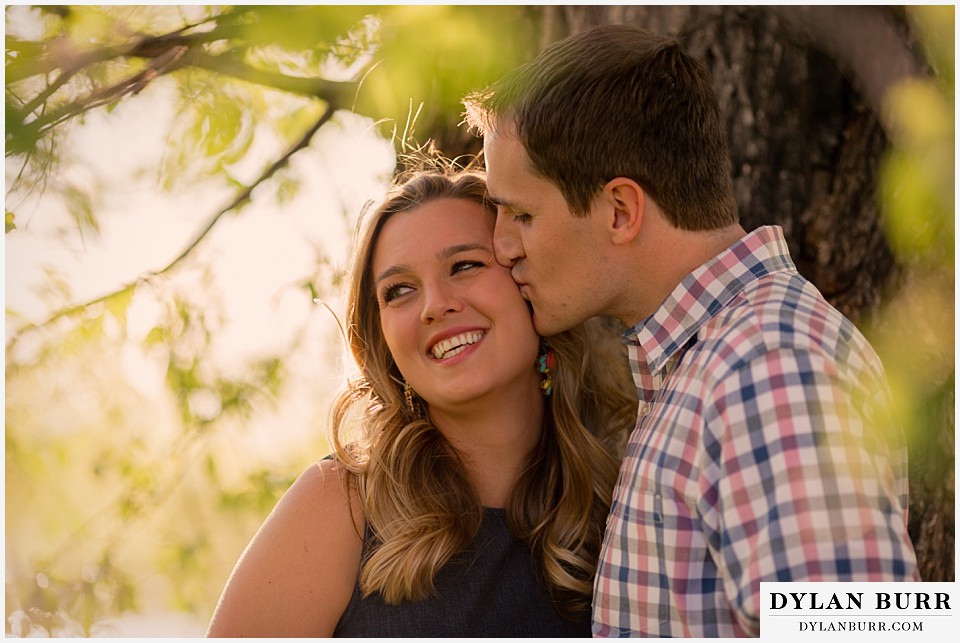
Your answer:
<point x="183" y="186"/>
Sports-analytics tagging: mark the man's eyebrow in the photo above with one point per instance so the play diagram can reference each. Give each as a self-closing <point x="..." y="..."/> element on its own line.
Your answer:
<point x="503" y="203"/>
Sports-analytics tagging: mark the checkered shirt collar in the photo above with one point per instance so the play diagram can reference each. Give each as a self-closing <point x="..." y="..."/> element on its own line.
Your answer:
<point x="706" y="290"/>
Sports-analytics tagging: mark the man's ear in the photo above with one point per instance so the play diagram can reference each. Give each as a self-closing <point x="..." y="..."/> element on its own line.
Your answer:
<point x="627" y="199"/>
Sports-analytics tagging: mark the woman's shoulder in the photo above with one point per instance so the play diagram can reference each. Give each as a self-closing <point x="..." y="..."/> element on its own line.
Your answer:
<point x="298" y="573"/>
<point x="327" y="490"/>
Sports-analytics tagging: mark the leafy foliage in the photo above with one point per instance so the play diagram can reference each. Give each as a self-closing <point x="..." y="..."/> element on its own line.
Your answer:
<point x="917" y="189"/>
<point x="132" y="485"/>
<point x="915" y="334"/>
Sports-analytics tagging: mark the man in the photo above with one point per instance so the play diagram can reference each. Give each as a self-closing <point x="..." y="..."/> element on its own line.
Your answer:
<point x="763" y="449"/>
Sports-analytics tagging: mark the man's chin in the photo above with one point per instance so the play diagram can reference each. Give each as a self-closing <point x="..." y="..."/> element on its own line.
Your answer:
<point x="545" y="326"/>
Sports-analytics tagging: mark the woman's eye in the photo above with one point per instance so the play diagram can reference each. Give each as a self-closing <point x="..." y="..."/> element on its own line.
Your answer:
<point x="460" y="266"/>
<point x="521" y="217"/>
<point x="390" y="293"/>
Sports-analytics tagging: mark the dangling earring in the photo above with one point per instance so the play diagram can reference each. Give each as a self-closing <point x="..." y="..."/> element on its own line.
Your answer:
<point x="546" y="363"/>
<point x="408" y="399"/>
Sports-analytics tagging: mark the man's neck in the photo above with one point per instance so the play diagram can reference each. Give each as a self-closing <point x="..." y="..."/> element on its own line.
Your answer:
<point x="665" y="255"/>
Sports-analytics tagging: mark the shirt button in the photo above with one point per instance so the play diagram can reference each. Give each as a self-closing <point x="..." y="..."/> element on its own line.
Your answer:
<point x="644" y="408"/>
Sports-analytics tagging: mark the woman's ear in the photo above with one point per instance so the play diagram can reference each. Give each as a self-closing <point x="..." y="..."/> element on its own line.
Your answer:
<point x="627" y="198"/>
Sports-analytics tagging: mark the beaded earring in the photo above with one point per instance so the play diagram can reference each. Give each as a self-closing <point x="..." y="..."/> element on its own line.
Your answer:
<point x="546" y="363"/>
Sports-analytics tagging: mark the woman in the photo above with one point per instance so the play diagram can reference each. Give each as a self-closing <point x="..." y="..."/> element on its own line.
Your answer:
<point x="472" y="498"/>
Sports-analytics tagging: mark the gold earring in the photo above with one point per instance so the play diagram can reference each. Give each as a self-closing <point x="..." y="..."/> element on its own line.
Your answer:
<point x="408" y="398"/>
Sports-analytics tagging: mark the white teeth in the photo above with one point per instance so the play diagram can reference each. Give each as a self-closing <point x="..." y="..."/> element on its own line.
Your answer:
<point x="450" y="347"/>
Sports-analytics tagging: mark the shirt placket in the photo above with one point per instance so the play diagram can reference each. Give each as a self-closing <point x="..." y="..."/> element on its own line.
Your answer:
<point x="654" y="383"/>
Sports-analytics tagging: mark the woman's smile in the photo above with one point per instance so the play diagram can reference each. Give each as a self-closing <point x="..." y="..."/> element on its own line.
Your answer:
<point x="444" y="349"/>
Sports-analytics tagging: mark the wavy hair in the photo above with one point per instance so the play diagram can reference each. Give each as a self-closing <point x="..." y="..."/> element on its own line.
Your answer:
<point x="411" y="482"/>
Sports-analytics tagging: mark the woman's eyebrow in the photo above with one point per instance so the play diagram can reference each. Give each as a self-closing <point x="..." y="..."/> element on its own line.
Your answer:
<point x="389" y="272"/>
<point x="450" y="251"/>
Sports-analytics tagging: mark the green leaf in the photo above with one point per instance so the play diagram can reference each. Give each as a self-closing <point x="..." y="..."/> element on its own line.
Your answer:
<point x="80" y="205"/>
<point x="20" y="137"/>
<point x="157" y="335"/>
<point x="119" y="302"/>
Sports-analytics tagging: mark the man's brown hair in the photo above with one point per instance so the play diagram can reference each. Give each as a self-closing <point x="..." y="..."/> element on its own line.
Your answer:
<point x="618" y="101"/>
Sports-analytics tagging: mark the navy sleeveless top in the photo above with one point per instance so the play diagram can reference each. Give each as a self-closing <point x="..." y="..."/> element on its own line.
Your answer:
<point x="493" y="588"/>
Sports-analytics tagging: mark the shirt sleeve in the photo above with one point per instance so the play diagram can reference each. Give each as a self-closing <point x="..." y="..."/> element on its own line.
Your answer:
<point x="792" y="486"/>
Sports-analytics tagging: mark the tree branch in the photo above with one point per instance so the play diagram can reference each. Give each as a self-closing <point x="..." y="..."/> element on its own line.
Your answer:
<point x="239" y="200"/>
<point x="245" y="195"/>
<point x="58" y="56"/>
<point x="163" y="61"/>
<point x="167" y="52"/>
<point x="314" y="87"/>
<point x="131" y="85"/>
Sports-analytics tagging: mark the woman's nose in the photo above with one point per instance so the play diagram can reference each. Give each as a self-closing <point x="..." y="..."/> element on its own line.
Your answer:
<point x="439" y="300"/>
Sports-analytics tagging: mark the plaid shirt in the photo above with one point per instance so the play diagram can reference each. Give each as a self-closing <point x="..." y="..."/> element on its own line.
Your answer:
<point x="762" y="452"/>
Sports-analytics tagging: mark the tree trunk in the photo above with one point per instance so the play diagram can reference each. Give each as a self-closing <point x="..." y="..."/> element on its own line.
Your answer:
<point x="800" y="90"/>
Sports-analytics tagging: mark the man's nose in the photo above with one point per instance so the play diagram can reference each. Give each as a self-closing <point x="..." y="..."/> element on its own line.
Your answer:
<point x="439" y="300"/>
<point x="506" y="242"/>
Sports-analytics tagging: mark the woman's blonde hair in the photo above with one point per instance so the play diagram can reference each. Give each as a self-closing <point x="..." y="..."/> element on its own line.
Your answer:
<point x="411" y="482"/>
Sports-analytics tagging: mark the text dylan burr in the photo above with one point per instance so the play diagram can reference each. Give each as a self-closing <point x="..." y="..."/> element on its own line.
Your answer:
<point x="855" y="601"/>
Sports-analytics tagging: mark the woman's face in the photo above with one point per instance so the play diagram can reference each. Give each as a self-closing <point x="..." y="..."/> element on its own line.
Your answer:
<point x="452" y="317"/>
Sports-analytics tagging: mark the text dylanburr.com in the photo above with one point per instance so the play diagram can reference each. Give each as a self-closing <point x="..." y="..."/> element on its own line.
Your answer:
<point x="858" y="610"/>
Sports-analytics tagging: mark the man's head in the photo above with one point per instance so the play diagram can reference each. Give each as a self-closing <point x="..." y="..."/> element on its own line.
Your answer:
<point x="618" y="101"/>
<point x="603" y="137"/>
